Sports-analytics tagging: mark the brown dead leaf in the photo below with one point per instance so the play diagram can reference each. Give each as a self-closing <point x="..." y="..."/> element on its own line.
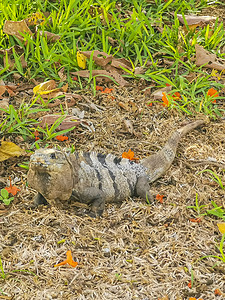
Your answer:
<point x="121" y="62"/>
<point x="129" y="126"/>
<point x="11" y="61"/>
<point x="67" y="123"/>
<point x="134" y="107"/>
<point x="209" y="60"/>
<point x="157" y="95"/>
<point x="124" y="105"/>
<point x="51" y="37"/>
<point x="100" y="58"/>
<point x="61" y="74"/>
<point x="9" y="149"/>
<point x="15" y="28"/>
<point x="191" y="20"/>
<point x="101" y="75"/>
<point x="2" y="90"/>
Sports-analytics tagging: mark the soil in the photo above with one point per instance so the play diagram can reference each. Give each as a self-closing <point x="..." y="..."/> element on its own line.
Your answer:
<point x="136" y="250"/>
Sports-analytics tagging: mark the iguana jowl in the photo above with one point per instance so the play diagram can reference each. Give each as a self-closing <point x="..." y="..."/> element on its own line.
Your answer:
<point x="95" y="178"/>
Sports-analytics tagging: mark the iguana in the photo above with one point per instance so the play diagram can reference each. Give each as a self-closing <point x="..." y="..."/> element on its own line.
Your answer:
<point x="95" y="178"/>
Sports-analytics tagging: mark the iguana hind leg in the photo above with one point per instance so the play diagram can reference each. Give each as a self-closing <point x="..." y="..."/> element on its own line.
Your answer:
<point x="143" y="188"/>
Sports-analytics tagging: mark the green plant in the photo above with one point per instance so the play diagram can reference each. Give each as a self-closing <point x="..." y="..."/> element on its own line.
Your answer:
<point x="217" y="211"/>
<point x="2" y="273"/>
<point x="19" y="121"/>
<point x="5" y="197"/>
<point x="215" y="177"/>
<point x="220" y="248"/>
<point x="198" y="208"/>
<point x="49" y="133"/>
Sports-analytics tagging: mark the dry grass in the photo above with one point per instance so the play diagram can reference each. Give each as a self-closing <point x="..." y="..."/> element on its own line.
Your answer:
<point x="136" y="251"/>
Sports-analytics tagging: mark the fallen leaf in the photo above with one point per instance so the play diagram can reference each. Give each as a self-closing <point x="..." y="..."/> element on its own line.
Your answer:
<point x="16" y="28"/>
<point x="134" y="107"/>
<point x="107" y="91"/>
<point x="129" y="126"/>
<point x="36" y="134"/>
<point x="81" y="60"/>
<point x="121" y="62"/>
<point x="100" y="58"/>
<point x="165" y="100"/>
<point x="51" y="37"/>
<point x="45" y="87"/>
<point x="99" y="88"/>
<point x="69" y="260"/>
<point x="157" y="94"/>
<point x="12" y="189"/>
<point x="129" y="155"/>
<point x="9" y="149"/>
<point x="195" y="19"/>
<point x="61" y="74"/>
<point x="61" y="138"/>
<point x="218" y="292"/>
<point x="67" y="123"/>
<point x="209" y="60"/>
<point x="197" y="220"/>
<point x="103" y="75"/>
<point x="221" y="227"/>
<point x="124" y="105"/>
<point x="8" y="59"/>
<point x="213" y="93"/>
<point x="159" y="198"/>
<point x="189" y="284"/>
<point x="2" y="90"/>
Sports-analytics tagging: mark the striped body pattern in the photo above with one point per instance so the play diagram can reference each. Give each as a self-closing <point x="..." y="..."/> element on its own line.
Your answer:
<point x="115" y="177"/>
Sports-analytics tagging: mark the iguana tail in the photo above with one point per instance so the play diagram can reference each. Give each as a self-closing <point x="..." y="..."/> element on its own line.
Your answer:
<point x="158" y="163"/>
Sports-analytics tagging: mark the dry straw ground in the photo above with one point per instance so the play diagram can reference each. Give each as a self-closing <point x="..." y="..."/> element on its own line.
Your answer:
<point x="136" y="250"/>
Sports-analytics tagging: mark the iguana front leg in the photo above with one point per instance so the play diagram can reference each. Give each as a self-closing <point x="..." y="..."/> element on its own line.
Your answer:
<point x="39" y="200"/>
<point x="95" y="198"/>
<point x="143" y="188"/>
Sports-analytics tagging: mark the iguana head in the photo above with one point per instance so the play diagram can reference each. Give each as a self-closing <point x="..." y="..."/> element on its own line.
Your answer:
<point x="50" y="174"/>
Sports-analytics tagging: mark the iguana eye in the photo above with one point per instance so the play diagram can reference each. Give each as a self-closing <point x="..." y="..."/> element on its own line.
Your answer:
<point x="53" y="156"/>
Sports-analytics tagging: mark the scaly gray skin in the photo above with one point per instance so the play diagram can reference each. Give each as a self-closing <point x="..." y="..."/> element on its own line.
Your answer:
<point x="96" y="179"/>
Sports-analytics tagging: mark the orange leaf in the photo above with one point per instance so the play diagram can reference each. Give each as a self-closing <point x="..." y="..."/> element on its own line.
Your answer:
<point x="176" y="95"/>
<point x="129" y="155"/>
<point x="159" y="198"/>
<point x="213" y="93"/>
<point x="36" y="134"/>
<point x="69" y="260"/>
<point x="12" y="189"/>
<point x="61" y="138"/>
<point x="107" y="91"/>
<point x="165" y="100"/>
<point x="99" y="88"/>
<point x="189" y="284"/>
<point x="218" y="292"/>
<point x="197" y="220"/>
